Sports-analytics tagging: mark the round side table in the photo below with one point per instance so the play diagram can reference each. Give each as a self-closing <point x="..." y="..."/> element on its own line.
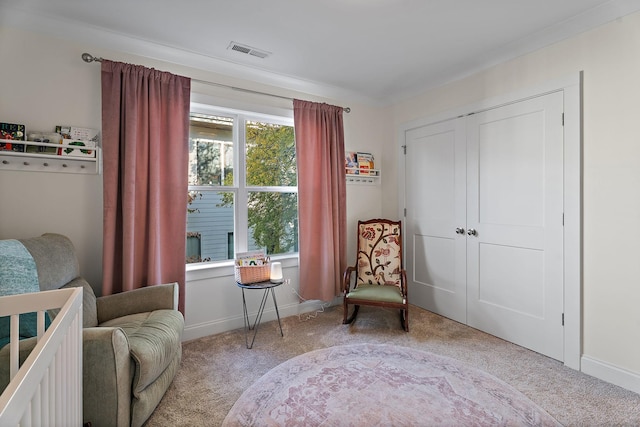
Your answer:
<point x="266" y="286"/>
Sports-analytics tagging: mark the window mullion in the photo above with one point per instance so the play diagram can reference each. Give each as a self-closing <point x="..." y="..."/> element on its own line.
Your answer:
<point x="242" y="214"/>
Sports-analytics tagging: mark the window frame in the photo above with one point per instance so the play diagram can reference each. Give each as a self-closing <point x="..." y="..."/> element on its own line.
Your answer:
<point x="240" y="189"/>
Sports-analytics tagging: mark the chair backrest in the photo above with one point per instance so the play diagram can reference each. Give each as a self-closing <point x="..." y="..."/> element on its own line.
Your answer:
<point x="379" y="252"/>
<point x="55" y="259"/>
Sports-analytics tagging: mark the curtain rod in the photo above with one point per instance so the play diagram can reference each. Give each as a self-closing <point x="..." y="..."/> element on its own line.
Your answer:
<point x="88" y="58"/>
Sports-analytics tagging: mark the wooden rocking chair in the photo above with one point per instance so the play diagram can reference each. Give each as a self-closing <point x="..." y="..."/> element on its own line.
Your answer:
<point x="380" y="279"/>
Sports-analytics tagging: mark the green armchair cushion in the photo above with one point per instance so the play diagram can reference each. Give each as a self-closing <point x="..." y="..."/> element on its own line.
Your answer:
<point x="381" y="293"/>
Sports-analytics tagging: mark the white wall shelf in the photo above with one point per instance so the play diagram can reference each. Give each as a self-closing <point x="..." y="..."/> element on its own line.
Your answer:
<point x="34" y="161"/>
<point x="371" y="179"/>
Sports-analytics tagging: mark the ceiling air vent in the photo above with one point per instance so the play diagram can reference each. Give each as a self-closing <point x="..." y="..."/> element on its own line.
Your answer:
<point x="243" y="48"/>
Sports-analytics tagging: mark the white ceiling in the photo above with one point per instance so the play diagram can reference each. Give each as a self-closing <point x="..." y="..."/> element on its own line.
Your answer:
<point x="377" y="51"/>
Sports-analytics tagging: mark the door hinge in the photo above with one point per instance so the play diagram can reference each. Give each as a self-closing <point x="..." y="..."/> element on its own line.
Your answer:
<point x="405" y="212"/>
<point x="563" y="219"/>
<point x="562" y="119"/>
<point x="562" y="319"/>
<point x="404" y="149"/>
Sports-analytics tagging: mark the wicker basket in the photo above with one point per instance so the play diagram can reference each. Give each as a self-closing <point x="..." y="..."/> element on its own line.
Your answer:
<point x="252" y="273"/>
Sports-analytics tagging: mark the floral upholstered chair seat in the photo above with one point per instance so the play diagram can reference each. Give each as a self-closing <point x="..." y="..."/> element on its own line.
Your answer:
<point x="380" y="279"/>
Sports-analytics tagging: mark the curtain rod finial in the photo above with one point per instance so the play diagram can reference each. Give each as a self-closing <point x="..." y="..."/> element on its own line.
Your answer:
<point x="87" y="57"/>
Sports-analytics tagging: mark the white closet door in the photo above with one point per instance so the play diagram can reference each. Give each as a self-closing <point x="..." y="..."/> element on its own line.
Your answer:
<point x="515" y="215"/>
<point x="435" y="255"/>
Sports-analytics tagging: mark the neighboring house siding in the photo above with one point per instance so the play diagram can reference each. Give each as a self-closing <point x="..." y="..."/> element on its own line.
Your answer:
<point x="214" y="223"/>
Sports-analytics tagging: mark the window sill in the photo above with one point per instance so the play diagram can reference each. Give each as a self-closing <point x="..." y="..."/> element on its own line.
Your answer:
<point x="209" y="270"/>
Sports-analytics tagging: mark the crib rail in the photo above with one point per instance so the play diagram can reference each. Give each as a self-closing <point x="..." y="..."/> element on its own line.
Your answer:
<point x="47" y="389"/>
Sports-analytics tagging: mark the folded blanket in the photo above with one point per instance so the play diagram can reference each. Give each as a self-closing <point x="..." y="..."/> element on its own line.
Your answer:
<point x="18" y="275"/>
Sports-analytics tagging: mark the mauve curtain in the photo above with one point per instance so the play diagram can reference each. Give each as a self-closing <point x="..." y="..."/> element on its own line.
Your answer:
<point x="145" y="141"/>
<point x="321" y="198"/>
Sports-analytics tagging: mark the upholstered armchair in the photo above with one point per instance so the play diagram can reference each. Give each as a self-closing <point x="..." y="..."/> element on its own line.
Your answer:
<point x="131" y="341"/>
<point x="378" y="278"/>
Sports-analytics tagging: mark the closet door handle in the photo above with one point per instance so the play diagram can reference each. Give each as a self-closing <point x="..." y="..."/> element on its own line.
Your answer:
<point x="459" y="230"/>
<point x="472" y="232"/>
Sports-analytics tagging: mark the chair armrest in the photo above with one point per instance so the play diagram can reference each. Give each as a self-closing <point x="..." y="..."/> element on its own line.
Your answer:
<point x="107" y="372"/>
<point x="156" y="297"/>
<point x="346" y="279"/>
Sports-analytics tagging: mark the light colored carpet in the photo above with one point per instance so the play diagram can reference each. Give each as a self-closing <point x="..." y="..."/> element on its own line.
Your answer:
<point x="217" y="369"/>
<point x="381" y="385"/>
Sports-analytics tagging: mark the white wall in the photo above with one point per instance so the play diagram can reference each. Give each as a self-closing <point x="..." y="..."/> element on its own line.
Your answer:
<point x="609" y="58"/>
<point x="45" y="83"/>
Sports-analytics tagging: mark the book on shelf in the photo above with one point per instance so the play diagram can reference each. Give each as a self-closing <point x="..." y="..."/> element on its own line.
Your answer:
<point x="351" y="162"/>
<point x="365" y="163"/>
<point x="73" y="136"/>
<point x="361" y="156"/>
<point x="251" y="258"/>
<point x="13" y="132"/>
<point x="77" y="148"/>
<point x="82" y="134"/>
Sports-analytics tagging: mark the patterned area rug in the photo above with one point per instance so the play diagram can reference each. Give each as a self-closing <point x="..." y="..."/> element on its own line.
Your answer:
<point x="381" y="385"/>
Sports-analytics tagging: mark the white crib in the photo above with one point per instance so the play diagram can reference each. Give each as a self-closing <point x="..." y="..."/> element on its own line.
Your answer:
<point x="47" y="389"/>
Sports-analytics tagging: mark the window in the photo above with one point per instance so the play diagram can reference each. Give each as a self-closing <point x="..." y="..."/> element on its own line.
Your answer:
<point x="243" y="191"/>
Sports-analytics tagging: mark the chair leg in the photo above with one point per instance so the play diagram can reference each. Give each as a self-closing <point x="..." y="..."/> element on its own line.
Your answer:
<point x="404" y="319"/>
<point x="345" y="312"/>
<point x="353" y="315"/>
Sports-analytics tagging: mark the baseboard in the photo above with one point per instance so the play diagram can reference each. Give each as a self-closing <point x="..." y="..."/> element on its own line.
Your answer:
<point x="218" y="326"/>
<point x="610" y="373"/>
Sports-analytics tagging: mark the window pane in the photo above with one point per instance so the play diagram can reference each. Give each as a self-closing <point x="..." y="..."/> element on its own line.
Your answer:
<point x="210" y="150"/>
<point x="273" y="222"/>
<point x="271" y="155"/>
<point x="210" y="223"/>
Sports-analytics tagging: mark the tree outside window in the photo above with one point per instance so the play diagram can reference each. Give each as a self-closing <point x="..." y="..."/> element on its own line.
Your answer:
<point x="271" y="162"/>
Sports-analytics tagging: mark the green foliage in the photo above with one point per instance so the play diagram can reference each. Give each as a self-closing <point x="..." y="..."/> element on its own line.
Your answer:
<point x="271" y="155"/>
<point x="273" y="219"/>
